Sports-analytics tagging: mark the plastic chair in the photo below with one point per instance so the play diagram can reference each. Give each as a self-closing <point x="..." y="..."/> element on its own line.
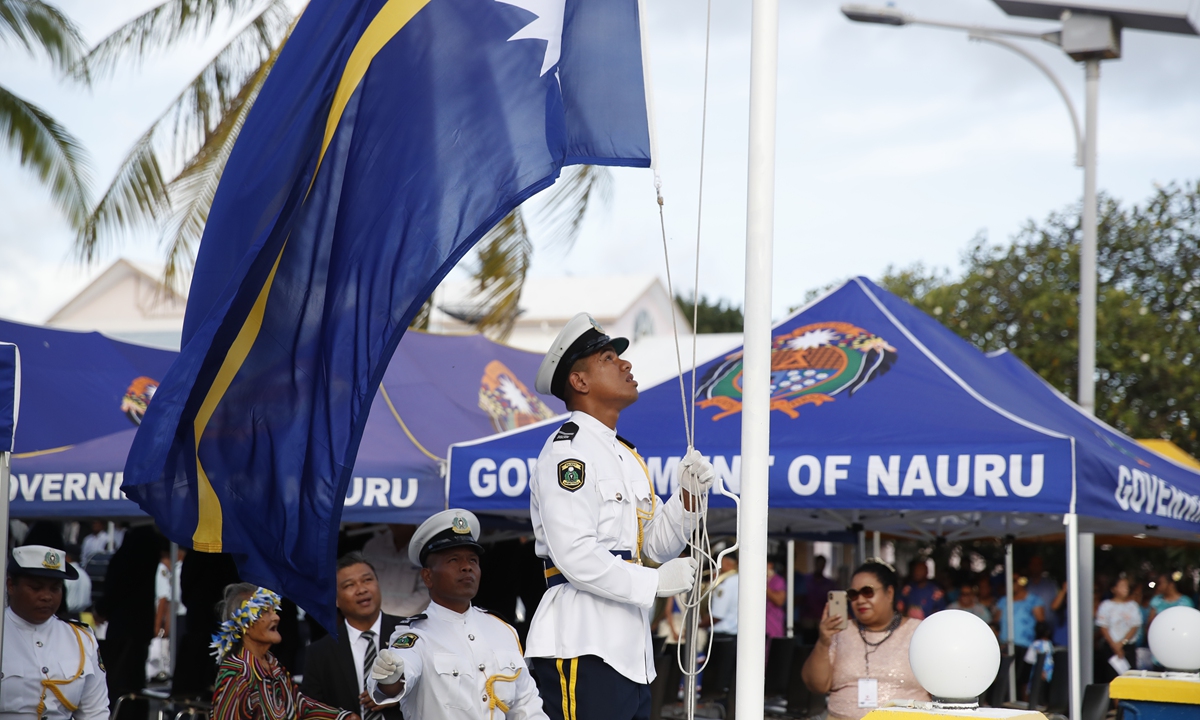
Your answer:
<point x="1095" y="702"/>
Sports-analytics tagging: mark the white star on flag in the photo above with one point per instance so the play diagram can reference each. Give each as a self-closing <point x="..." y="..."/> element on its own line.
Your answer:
<point x="548" y="26"/>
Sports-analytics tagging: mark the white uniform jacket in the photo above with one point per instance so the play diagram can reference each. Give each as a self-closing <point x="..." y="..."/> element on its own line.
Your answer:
<point x="592" y="504"/>
<point x="461" y="667"/>
<point x="39" y="660"/>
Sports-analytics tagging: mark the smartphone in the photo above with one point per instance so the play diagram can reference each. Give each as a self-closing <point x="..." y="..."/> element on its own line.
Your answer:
<point x="837" y="607"/>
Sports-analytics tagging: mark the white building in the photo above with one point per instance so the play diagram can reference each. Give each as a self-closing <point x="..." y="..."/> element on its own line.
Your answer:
<point x="632" y="306"/>
<point x="130" y="303"/>
<point x="126" y="302"/>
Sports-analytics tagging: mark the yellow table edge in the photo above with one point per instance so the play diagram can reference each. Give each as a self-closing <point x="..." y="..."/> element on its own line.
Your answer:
<point x="1155" y="689"/>
<point x="901" y="713"/>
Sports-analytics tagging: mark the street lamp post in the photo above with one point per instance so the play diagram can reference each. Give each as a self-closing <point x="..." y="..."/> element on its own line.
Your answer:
<point x="1089" y="34"/>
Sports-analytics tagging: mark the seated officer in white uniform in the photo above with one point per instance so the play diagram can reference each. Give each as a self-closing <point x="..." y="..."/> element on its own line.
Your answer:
<point x="51" y="667"/>
<point x="595" y="515"/>
<point x="454" y="661"/>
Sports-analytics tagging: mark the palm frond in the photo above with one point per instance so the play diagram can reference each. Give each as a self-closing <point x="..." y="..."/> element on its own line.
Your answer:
<point x="192" y="191"/>
<point x="41" y="27"/>
<point x="568" y="201"/>
<point x="139" y="195"/>
<point x="158" y="29"/>
<point x="501" y="264"/>
<point x="52" y="153"/>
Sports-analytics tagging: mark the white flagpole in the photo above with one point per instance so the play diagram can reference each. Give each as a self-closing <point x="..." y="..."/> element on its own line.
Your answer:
<point x="756" y="363"/>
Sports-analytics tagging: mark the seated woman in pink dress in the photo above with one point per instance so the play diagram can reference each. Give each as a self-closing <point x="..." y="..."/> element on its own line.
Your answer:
<point x="251" y="684"/>
<point x="865" y="665"/>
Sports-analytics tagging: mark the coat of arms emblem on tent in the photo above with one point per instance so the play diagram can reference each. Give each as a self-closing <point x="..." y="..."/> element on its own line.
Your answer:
<point x="809" y="366"/>
<point x="507" y="401"/>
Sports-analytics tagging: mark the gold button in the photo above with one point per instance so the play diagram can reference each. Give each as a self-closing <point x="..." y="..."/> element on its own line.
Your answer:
<point x="618" y="497"/>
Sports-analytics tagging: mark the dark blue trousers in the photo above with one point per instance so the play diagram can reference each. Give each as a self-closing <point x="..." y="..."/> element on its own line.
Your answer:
<point x="587" y="688"/>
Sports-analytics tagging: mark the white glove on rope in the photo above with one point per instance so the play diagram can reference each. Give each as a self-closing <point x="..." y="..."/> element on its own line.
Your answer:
<point x="388" y="668"/>
<point x="675" y="576"/>
<point x="696" y="475"/>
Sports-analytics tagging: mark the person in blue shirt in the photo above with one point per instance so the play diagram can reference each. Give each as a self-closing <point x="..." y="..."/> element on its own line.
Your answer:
<point x="920" y="597"/>
<point x="1028" y="611"/>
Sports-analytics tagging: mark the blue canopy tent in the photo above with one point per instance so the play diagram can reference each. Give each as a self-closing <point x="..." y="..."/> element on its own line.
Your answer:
<point x="884" y="420"/>
<point x="437" y="389"/>
<point x="79" y="386"/>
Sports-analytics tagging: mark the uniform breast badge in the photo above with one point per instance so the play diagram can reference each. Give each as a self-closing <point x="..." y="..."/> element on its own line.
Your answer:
<point x="570" y="475"/>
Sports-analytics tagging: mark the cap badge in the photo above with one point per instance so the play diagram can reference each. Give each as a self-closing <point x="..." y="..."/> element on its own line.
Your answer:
<point x="570" y="475"/>
<point x="460" y="526"/>
<point x="595" y="324"/>
<point x="52" y="561"/>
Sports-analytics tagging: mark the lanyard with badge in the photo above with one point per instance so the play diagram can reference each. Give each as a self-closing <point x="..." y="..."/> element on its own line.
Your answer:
<point x="868" y="687"/>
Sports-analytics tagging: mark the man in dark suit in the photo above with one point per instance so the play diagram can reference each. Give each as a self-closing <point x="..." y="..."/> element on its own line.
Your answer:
<point x="336" y="670"/>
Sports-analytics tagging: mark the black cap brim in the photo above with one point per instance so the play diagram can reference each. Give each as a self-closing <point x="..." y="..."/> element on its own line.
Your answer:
<point x="67" y="573"/>
<point x="589" y="343"/>
<point x="442" y="541"/>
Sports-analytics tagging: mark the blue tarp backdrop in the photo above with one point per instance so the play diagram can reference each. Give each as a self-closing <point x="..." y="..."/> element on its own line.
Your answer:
<point x="437" y="388"/>
<point x="878" y="411"/>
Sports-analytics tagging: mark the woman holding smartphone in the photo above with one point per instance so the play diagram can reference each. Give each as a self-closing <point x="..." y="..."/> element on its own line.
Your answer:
<point x="863" y="663"/>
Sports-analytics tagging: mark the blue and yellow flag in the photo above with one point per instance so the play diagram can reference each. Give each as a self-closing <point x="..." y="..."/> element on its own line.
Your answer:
<point x="389" y="137"/>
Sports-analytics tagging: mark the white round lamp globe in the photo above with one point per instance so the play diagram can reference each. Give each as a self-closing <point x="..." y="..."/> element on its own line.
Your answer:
<point x="1174" y="638"/>
<point x="954" y="655"/>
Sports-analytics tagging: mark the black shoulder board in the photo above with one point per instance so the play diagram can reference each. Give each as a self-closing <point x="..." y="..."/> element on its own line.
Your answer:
<point x="411" y="620"/>
<point x="567" y="432"/>
<point x="627" y="444"/>
<point x="80" y="623"/>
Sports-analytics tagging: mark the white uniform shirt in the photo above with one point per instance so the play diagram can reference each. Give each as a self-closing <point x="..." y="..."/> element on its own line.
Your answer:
<point x="79" y="591"/>
<point x="604" y="608"/>
<point x="404" y="593"/>
<point x="725" y="604"/>
<point x="50" y="651"/>
<point x="449" y="659"/>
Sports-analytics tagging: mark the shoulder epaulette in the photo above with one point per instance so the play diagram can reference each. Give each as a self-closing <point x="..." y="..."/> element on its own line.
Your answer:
<point x="627" y="444"/>
<point x="81" y="624"/>
<point x="411" y="619"/>
<point x="567" y="432"/>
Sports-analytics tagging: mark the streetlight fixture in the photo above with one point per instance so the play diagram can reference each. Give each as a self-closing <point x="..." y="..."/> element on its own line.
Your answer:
<point x="1089" y="33"/>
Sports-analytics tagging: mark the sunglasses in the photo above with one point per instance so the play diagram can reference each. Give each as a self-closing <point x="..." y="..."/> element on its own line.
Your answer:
<point x="867" y="591"/>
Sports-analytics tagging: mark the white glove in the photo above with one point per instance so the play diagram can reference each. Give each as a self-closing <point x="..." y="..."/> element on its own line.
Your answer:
<point x="388" y="668"/>
<point x="696" y="474"/>
<point x="676" y="576"/>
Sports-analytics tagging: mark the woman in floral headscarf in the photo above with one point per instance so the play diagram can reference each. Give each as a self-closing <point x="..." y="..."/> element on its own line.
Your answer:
<point x="251" y="684"/>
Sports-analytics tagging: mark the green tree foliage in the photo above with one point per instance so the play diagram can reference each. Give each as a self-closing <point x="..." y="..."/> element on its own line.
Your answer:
<point x="40" y="143"/>
<point x="1024" y="297"/>
<point x="712" y="316"/>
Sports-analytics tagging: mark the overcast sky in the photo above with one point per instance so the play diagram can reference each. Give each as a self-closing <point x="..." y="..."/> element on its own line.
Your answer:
<point x="895" y="146"/>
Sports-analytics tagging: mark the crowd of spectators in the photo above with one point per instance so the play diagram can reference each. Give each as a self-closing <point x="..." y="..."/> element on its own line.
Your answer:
<point x="865" y="653"/>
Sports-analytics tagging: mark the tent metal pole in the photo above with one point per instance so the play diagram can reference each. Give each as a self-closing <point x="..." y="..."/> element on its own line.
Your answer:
<point x="1074" y="611"/>
<point x="756" y="362"/>
<point x="1008" y="610"/>
<point x="1087" y="621"/>
<point x="791" y="588"/>
<point x="5" y="459"/>
<point x="173" y="621"/>
<point x="876" y="551"/>
<point x="112" y="537"/>
<point x="862" y="548"/>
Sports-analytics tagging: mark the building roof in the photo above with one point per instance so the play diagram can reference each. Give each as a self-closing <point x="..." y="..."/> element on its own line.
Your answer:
<point x="558" y="299"/>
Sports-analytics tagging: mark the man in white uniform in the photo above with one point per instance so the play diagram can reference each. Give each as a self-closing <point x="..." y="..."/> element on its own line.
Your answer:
<point x="595" y="516"/>
<point x="454" y="661"/>
<point x="51" y="667"/>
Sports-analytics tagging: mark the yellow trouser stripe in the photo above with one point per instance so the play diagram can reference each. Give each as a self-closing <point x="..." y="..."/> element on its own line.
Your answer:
<point x="574" y="670"/>
<point x="562" y="682"/>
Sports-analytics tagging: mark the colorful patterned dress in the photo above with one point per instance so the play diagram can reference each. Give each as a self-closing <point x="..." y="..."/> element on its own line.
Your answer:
<point x="252" y="689"/>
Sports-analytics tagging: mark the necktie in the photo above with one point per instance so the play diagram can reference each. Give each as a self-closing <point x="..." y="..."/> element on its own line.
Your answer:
<point x="368" y="663"/>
